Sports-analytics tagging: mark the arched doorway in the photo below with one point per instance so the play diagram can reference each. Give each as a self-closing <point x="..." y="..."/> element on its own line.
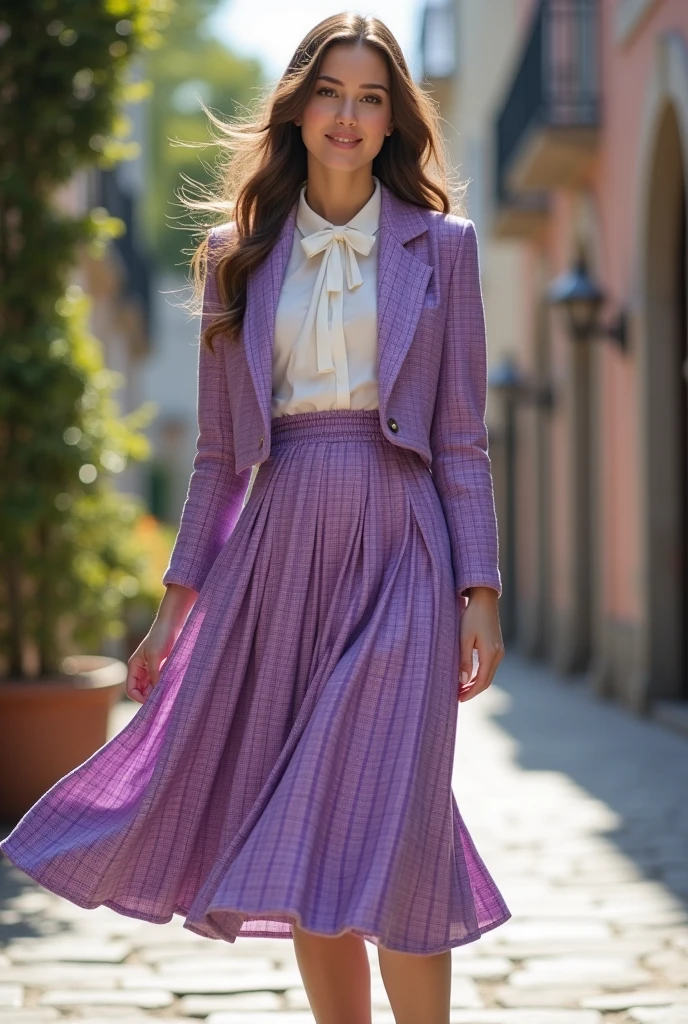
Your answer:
<point x="666" y="391"/>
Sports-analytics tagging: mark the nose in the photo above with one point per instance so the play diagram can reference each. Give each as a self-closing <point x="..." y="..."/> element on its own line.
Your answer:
<point x="346" y="114"/>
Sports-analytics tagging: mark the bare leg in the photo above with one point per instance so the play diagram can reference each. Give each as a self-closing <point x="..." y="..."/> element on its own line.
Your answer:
<point x="336" y="976"/>
<point x="418" y="987"/>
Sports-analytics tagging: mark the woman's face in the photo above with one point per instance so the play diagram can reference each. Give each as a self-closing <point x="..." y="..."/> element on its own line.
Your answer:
<point x="350" y="101"/>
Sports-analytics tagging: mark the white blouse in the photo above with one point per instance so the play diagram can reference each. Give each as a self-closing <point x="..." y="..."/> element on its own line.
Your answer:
<point x="325" y="344"/>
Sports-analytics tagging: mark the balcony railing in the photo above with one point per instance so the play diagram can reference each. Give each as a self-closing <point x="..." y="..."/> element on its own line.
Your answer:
<point x="547" y="127"/>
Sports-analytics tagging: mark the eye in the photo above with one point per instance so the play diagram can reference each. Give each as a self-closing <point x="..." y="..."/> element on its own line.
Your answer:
<point x="326" y="88"/>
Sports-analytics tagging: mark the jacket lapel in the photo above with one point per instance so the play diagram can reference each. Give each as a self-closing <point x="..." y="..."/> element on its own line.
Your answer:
<point x="402" y="282"/>
<point x="262" y="292"/>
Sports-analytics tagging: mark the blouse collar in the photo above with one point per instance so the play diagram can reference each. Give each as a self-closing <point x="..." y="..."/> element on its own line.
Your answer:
<point x="366" y="220"/>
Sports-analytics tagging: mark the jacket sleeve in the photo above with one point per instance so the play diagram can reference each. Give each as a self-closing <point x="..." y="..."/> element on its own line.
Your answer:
<point x="215" y="492"/>
<point x="461" y="466"/>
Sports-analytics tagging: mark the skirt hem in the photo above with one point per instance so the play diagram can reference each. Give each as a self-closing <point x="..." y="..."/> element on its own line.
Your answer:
<point x="287" y="915"/>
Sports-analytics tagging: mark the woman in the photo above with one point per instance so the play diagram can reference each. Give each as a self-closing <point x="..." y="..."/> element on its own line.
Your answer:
<point x="289" y="773"/>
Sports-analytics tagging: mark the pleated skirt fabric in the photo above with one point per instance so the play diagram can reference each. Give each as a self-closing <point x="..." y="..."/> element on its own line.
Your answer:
<point x="294" y="761"/>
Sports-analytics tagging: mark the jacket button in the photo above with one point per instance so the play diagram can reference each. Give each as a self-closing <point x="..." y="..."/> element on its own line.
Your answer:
<point x="260" y="443"/>
<point x="392" y="424"/>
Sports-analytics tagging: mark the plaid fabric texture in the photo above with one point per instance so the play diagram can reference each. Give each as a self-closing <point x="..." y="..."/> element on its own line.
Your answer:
<point x="432" y="383"/>
<point x="294" y="761"/>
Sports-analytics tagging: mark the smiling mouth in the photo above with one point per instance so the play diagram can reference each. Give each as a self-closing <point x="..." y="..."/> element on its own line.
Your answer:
<point x="340" y="140"/>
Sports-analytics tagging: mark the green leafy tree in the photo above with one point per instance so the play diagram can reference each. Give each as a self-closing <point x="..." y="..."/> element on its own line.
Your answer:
<point x="192" y="64"/>
<point x="66" y="551"/>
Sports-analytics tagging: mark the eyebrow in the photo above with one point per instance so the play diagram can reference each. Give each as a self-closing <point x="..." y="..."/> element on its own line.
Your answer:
<point x="365" y="85"/>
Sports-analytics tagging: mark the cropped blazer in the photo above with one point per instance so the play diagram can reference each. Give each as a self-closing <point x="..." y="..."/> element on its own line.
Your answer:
<point x="432" y="387"/>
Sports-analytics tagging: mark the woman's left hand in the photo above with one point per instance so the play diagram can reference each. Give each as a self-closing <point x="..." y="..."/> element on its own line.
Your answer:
<point x="480" y="629"/>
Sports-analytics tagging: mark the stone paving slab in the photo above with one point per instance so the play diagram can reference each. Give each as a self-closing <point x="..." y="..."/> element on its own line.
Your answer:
<point x="157" y="951"/>
<point x="285" y="1017"/>
<point x="296" y="999"/>
<point x="548" y="932"/>
<point x="43" y="1016"/>
<point x="569" y="971"/>
<point x="217" y="983"/>
<point x="144" y="998"/>
<point x="627" y="1000"/>
<point x="96" y="1015"/>
<point x="209" y="964"/>
<point x="76" y="974"/>
<point x="672" y="963"/>
<point x="670" y="1015"/>
<point x="11" y="995"/>
<point x="68" y="948"/>
<point x="533" y="1016"/>
<point x="202" y="1006"/>
<point x="557" y="997"/>
<point x="486" y="968"/>
<point x="116" y="1014"/>
<point x="518" y="952"/>
<point x="464" y="993"/>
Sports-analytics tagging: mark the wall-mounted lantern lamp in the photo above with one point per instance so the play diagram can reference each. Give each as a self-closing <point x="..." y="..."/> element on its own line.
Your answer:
<point x="581" y="299"/>
<point x="507" y="379"/>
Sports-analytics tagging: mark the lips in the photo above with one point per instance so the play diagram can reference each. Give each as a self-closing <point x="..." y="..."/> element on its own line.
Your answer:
<point x="349" y="143"/>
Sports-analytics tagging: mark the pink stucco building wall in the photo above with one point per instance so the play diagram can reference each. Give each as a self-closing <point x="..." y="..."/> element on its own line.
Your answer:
<point x="608" y="210"/>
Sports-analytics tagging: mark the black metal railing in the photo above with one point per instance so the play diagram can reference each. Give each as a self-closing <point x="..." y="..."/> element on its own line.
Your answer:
<point x="557" y="80"/>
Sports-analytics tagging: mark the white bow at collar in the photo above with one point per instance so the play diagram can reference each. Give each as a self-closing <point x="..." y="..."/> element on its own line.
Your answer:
<point x="339" y="243"/>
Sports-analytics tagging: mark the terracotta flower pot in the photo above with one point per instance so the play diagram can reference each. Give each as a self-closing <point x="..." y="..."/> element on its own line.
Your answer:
<point x="47" y="728"/>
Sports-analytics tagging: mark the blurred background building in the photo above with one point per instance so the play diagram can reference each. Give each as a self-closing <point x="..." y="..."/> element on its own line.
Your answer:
<point x="570" y="118"/>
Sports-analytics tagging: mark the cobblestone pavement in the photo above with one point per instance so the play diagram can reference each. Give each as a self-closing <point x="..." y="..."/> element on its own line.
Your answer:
<point x="579" y="810"/>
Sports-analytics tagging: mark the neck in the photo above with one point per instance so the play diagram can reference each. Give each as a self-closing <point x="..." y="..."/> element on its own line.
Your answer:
<point x="338" y="195"/>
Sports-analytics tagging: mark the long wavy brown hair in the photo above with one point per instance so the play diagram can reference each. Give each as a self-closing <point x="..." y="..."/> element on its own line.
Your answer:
<point x="263" y="164"/>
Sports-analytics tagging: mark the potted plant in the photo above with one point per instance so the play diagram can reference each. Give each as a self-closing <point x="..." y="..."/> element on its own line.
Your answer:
<point x="70" y="555"/>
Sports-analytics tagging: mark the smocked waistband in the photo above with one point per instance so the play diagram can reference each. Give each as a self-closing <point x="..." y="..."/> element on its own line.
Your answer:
<point x="334" y="425"/>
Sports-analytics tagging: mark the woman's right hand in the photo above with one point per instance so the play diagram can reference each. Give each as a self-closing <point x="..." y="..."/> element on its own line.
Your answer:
<point x="146" y="661"/>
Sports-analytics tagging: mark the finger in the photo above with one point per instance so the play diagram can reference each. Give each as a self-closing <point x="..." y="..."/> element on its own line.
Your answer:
<point x="488" y="663"/>
<point x="137" y="678"/>
<point x="471" y="690"/>
<point x="154" y="669"/>
<point x="146" y="689"/>
<point x="149" y="663"/>
<point x="137" y="675"/>
<point x="134" y="690"/>
<point x="468" y="642"/>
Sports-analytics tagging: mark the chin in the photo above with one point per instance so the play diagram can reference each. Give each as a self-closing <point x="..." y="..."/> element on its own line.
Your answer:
<point x="342" y="161"/>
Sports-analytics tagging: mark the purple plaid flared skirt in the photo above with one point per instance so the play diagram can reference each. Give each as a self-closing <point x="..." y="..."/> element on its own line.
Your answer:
<point x="294" y="761"/>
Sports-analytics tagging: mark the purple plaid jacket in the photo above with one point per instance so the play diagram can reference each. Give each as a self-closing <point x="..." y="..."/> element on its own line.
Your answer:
<point x="432" y="384"/>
